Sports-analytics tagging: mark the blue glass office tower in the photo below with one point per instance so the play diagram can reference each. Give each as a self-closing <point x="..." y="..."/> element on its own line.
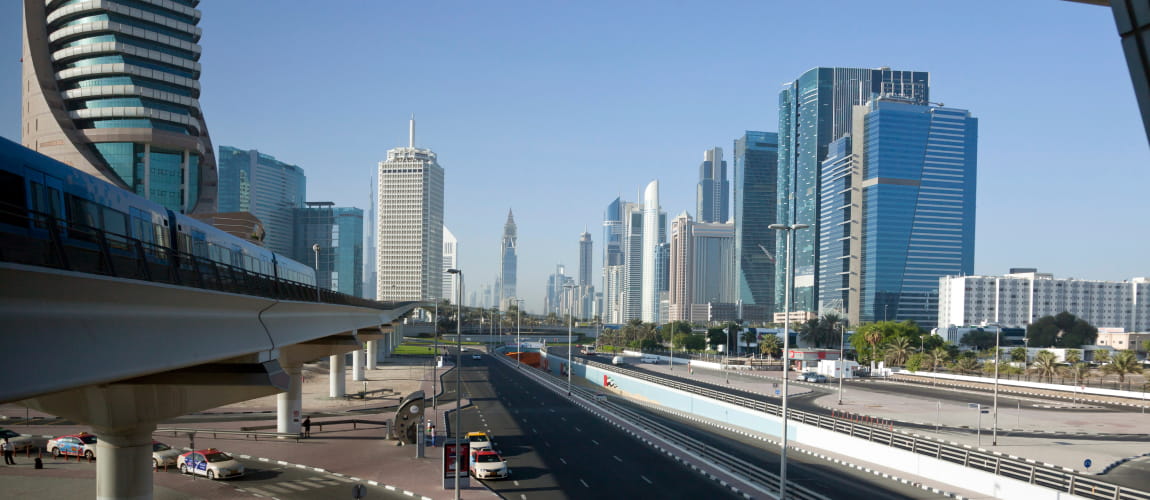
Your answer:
<point x="338" y="231"/>
<point x="756" y="176"/>
<point x="814" y="110"/>
<point x="918" y="189"/>
<point x="712" y="195"/>
<point x="112" y="88"/>
<point x="270" y="189"/>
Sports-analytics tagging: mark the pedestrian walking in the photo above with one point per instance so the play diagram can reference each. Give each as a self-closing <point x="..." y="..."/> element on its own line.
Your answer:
<point x="9" y="452"/>
<point x="307" y="427"/>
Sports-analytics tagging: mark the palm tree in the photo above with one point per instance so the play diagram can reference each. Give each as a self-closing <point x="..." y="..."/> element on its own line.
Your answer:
<point x="770" y="345"/>
<point x="1078" y="370"/>
<point x="938" y="356"/>
<point x="1073" y="356"/>
<point x="1045" y="364"/>
<point x="1102" y="355"/>
<point x="828" y="325"/>
<point x="873" y="336"/>
<point x="966" y="365"/>
<point x="898" y="350"/>
<point x="1123" y="363"/>
<point x="748" y="337"/>
<point x="1018" y="354"/>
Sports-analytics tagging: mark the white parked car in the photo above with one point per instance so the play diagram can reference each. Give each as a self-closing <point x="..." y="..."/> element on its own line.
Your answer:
<point x="23" y="442"/>
<point x="164" y="455"/>
<point x="486" y="464"/>
<point x="210" y="463"/>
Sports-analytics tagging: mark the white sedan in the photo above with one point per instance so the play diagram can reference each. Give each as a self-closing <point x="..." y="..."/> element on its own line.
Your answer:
<point x="23" y="442"/>
<point x="164" y="455"/>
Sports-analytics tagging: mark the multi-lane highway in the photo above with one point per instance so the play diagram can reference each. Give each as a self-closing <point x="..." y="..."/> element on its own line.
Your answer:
<point x="558" y="450"/>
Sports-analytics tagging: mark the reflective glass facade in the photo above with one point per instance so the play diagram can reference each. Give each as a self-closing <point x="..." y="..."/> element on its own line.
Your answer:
<point x="250" y="181"/>
<point x="756" y="176"/>
<point x="838" y="231"/>
<point x="814" y="110"/>
<point x="339" y="233"/>
<point x="918" y="190"/>
<point x="712" y="196"/>
<point x="119" y="79"/>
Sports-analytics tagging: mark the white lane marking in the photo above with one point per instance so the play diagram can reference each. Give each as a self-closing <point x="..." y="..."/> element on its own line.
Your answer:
<point x="277" y="489"/>
<point x="645" y="479"/>
<point x="578" y="429"/>
<point x="257" y="491"/>
<point x="584" y="483"/>
<point x="516" y="483"/>
<point x="292" y="485"/>
<point x="564" y="461"/>
<point x="617" y="459"/>
<point x="563" y="419"/>
<point x="596" y="442"/>
<point x="547" y="444"/>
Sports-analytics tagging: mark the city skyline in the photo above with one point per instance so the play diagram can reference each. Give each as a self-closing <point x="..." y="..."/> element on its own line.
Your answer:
<point x="638" y="103"/>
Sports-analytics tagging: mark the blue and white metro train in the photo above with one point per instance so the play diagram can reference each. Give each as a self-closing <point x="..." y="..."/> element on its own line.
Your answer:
<point x="32" y="182"/>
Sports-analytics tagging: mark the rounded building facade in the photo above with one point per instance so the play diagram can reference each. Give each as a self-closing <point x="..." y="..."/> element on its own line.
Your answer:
<point x="111" y="87"/>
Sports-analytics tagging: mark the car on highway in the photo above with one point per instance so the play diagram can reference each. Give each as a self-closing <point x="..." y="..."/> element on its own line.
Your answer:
<point x="73" y="445"/>
<point x="22" y="442"/>
<point x="476" y="357"/>
<point x="617" y="360"/>
<point x="813" y="377"/>
<point x="163" y="455"/>
<point x="486" y="464"/>
<point x="210" y="463"/>
<point x="600" y="397"/>
<point x="478" y="440"/>
<point x="649" y="358"/>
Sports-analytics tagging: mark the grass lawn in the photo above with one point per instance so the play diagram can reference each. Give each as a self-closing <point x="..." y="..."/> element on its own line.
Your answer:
<point x="411" y="349"/>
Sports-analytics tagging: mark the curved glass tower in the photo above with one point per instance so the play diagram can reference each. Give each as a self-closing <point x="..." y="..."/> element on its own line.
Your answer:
<point x="112" y="88"/>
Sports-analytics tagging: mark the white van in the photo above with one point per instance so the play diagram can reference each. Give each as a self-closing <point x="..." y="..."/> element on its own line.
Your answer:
<point x="649" y="358"/>
<point x="617" y="360"/>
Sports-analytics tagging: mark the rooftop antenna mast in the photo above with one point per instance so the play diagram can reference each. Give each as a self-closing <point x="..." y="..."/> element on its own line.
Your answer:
<point x="411" y="133"/>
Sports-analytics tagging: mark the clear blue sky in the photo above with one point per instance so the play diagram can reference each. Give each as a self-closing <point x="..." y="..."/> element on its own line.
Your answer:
<point x="553" y="109"/>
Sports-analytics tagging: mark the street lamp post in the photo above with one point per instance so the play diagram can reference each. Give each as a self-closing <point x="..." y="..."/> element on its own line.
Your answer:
<point x="570" y="323"/>
<point x="518" y="332"/>
<point x="458" y="369"/>
<point x="842" y="361"/>
<point x="315" y="248"/>
<point x="434" y="363"/>
<point x="786" y="347"/>
<point x="994" y="425"/>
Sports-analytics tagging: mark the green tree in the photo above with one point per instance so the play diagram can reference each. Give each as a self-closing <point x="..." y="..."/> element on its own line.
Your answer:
<point x="1102" y="355"/>
<point x="748" y="337"/>
<point x="1145" y="346"/>
<point x="979" y="339"/>
<point x="1124" y="363"/>
<point x="694" y="341"/>
<point x="1079" y="371"/>
<point x="916" y="361"/>
<point x="898" y="351"/>
<point x="1045" y="365"/>
<point x="733" y="333"/>
<point x="938" y="356"/>
<point x="873" y="336"/>
<point x="771" y="345"/>
<point x="1061" y="330"/>
<point x="1073" y="356"/>
<point x="966" y="365"/>
<point x="1018" y="354"/>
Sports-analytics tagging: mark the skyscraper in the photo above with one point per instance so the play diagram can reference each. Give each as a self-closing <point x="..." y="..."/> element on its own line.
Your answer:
<point x="712" y="195"/>
<point x="112" y="88"/>
<point x="257" y="183"/>
<point x="508" y="262"/>
<point x="814" y="110"/>
<point x="409" y="233"/>
<point x="702" y="269"/>
<point x="585" y="259"/>
<point x="651" y="240"/>
<point x="338" y="231"/>
<point x="613" y="261"/>
<point x="756" y="177"/>
<point x="450" y="261"/>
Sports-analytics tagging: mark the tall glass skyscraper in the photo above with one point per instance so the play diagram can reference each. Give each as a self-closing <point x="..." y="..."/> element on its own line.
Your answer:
<point x="339" y="233"/>
<point x="897" y="211"/>
<point x="508" y="262"/>
<point x="112" y="88"/>
<point x="712" y="195"/>
<point x="270" y="189"/>
<point x="756" y="178"/>
<point x="814" y="110"/>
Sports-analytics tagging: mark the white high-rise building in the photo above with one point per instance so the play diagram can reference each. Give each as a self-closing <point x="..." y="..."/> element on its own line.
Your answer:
<point x="450" y="261"/>
<point x="651" y="240"/>
<point x="409" y="230"/>
<point x="1023" y="296"/>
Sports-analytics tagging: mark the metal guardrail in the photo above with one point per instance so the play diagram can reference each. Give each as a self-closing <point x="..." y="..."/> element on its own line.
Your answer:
<point x="1055" y="478"/>
<point x="216" y="432"/>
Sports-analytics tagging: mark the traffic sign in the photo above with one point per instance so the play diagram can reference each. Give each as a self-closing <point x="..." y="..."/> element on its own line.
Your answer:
<point x="1087" y="463"/>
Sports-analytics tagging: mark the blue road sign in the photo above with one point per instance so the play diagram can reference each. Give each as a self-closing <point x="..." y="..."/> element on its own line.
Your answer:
<point x="1087" y="463"/>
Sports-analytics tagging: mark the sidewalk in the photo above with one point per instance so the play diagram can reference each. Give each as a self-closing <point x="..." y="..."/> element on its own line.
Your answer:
<point x="360" y="453"/>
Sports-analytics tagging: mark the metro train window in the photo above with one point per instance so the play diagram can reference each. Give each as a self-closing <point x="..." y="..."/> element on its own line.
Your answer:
<point x="83" y="218"/>
<point x="15" y="201"/>
<point x="47" y="202"/>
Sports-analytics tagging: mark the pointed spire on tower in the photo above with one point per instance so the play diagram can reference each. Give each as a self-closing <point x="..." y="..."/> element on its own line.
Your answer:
<point x="411" y="133"/>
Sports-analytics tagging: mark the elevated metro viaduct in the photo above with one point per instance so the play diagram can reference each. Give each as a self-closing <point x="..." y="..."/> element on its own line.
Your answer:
<point x="122" y="355"/>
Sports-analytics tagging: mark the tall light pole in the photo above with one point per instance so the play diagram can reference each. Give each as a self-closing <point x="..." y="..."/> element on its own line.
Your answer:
<point x="458" y="369"/>
<point x="842" y="360"/>
<point x="789" y="269"/>
<point x="997" y="337"/>
<point x="518" y="332"/>
<point x="315" y="248"/>
<point x="570" y="323"/>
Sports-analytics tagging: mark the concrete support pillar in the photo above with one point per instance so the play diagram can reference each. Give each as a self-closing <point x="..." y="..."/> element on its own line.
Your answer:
<point x="357" y="365"/>
<point x="289" y="404"/>
<point x="125" y="456"/>
<point x="372" y="352"/>
<point x="337" y="384"/>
